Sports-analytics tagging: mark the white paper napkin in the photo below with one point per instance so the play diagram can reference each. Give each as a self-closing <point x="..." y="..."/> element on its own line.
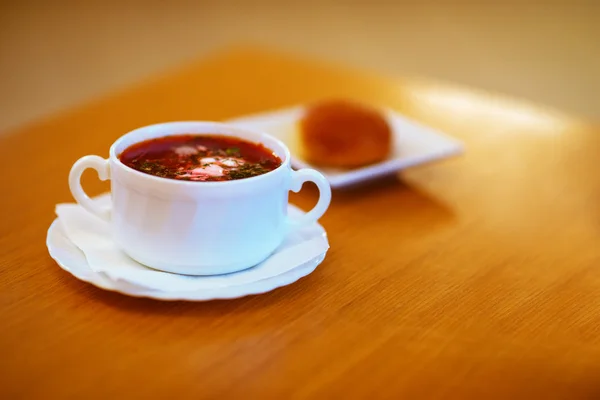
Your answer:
<point x="92" y="236"/>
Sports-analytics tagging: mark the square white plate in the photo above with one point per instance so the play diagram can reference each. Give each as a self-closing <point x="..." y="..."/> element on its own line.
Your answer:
<point x="414" y="144"/>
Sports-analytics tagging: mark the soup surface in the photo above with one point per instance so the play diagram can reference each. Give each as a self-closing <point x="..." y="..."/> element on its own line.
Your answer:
<point x="200" y="158"/>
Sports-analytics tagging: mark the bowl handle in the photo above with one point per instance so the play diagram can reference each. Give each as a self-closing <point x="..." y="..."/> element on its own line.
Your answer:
<point x="310" y="175"/>
<point x="103" y="168"/>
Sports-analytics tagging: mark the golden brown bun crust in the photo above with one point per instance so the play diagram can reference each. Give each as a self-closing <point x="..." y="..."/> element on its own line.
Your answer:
<point x="341" y="133"/>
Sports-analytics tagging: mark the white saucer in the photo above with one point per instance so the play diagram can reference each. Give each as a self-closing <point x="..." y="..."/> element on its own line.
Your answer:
<point x="414" y="144"/>
<point x="71" y="259"/>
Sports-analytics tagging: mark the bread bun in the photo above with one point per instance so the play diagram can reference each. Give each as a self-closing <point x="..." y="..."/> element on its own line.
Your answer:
<point x="345" y="134"/>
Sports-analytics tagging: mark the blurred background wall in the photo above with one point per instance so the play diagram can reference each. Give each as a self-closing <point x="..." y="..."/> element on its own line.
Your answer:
<point x="57" y="53"/>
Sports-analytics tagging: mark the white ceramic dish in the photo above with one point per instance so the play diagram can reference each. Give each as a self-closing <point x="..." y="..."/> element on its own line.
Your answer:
<point x="189" y="228"/>
<point x="414" y="144"/>
<point x="72" y="260"/>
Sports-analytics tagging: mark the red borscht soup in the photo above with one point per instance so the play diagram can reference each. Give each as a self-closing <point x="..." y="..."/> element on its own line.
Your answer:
<point x="200" y="158"/>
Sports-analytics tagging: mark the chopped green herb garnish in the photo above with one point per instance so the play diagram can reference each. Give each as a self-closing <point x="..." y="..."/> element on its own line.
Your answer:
<point x="159" y="157"/>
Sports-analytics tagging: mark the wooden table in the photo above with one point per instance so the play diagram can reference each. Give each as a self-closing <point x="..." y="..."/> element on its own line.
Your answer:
<point x="478" y="277"/>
